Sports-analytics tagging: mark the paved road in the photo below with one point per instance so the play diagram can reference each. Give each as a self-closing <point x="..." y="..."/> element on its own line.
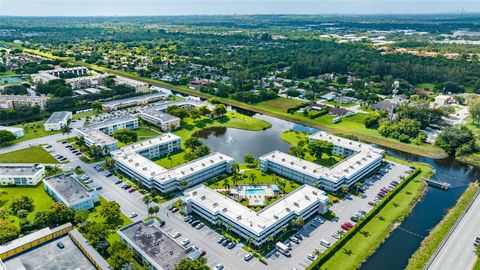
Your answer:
<point x="42" y="140"/>
<point x="458" y="251"/>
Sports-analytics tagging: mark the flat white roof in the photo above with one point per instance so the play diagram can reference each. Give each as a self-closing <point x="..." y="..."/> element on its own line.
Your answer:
<point x="19" y="169"/>
<point x="97" y="137"/>
<point x="58" y="117"/>
<point x="363" y="156"/>
<point x="11" y="129"/>
<point x="255" y="222"/>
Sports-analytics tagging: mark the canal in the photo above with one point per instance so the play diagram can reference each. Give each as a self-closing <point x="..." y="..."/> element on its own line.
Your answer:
<point x="394" y="253"/>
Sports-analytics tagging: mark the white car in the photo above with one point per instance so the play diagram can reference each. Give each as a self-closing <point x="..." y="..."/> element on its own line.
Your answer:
<point x="185" y="242"/>
<point x="132" y="215"/>
<point x="311" y="257"/>
<point x="319" y="220"/>
<point x="248" y="257"/>
<point x="336" y="235"/>
<point x="176" y="234"/>
<point x="218" y="266"/>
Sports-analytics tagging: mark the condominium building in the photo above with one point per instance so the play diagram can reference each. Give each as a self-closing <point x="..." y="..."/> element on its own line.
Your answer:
<point x="257" y="226"/>
<point x="359" y="160"/>
<point x="67" y="189"/>
<point x="140" y="87"/>
<point x="45" y="76"/>
<point x="133" y="101"/>
<point x="155" y="249"/>
<point x="85" y="82"/>
<point x="10" y="102"/>
<point x="99" y="133"/>
<point x="134" y="160"/>
<point x="185" y="103"/>
<point x="57" y="120"/>
<point x="17" y="132"/>
<point x="164" y="121"/>
<point x="21" y="174"/>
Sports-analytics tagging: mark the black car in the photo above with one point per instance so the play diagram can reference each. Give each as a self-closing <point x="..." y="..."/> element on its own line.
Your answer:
<point x="192" y="220"/>
<point x="108" y="175"/>
<point x="298" y="236"/>
<point x="60" y="245"/>
<point x="195" y="223"/>
<point x="118" y="182"/>
<point x="226" y="242"/>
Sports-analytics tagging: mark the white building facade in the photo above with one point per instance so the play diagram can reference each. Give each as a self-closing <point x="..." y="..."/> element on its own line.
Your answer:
<point x="258" y="226"/>
<point x="359" y="160"/>
<point x="17" y="132"/>
<point x="58" y="120"/>
<point x="21" y="174"/>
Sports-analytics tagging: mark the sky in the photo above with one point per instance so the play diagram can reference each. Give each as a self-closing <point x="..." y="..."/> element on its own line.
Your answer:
<point x="216" y="7"/>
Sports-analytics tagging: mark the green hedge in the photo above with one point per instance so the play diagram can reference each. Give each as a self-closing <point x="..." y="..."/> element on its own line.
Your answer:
<point x="369" y="216"/>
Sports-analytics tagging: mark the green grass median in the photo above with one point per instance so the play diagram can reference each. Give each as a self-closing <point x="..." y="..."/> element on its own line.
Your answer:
<point x="431" y="243"/>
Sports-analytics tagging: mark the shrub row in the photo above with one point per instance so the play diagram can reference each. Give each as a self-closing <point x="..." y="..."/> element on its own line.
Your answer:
<point x="370" y="215"/>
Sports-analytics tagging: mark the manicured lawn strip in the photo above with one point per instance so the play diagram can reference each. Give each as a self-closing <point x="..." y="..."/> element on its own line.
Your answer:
<point x="41" y="200"/>
<point x="432" y="242"/>
<point x="360" y="131"/>
<point x="477" y="265"/>
<point x="358" y="244"/>
<point x="33" y="130"/>
<point x="86" y="114"/>
<point x="176" y="160"/>
<point x="281" y="103"/>
<point x="293" y="137"/>
<point x="35" y="154"/>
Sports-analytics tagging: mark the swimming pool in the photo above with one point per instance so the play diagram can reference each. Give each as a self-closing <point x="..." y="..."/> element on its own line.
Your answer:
<point x="255" y="191"/>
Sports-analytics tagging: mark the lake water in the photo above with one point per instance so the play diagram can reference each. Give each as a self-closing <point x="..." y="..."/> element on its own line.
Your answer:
<point x="395" y="251"/>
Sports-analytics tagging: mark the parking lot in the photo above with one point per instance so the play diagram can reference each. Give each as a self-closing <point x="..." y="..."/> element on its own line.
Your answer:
<point x="51" y="257"/>
<point x="313" y="232"/>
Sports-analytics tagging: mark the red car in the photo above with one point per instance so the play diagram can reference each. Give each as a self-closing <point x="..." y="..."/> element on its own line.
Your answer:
<point x="381" y="194"/>
<point x="203" y="252"/>
<point x="345" y="227"/>
<point x="131" y="190"/>
<point x="175" y="210"/>
<point x="349" y="224"/>
<point x="384" y="190"/>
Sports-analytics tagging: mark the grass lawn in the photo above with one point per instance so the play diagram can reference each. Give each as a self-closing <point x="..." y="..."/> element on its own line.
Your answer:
<point x="34" y="130"/>
<point x="176" y="160"/>
<point x="477" y="265"/>
<point x="293" y="137"/>
<point x="144" y="133"/>
<point x="231" y="120"/>
<point x="431" y="243"/>
<point x="34" y="154"/>
<point x="282" y="104"/>
<point x="41" y="199"/>
<point x="86" y="114"/>
<point x="364" y="243"/>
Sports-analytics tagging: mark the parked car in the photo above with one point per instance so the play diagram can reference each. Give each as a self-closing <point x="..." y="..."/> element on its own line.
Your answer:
<point x="325" y="243"/>
<point x="99" y="188"/>
<point x="299" y="236"/>
<point x="477" y="241"/>
<point x="231" y="245"/>
<point x="218" y="266"/>
<point x="176" y="234"/>
<point x="200" y="225"/>
<point x="220" y="240"/>
<point x="131" y="190"/>
<point x="175" y="210"/>
<point x="226" y="242"/>
<point x="118" y="182"/>
<point x="108" y="175"/>
<point x="311" y="257"/>
<point x="320" y="220"/>
<point x="345" y="227"/>
<point x="185" y="242"/>
<point x="248" y="257"/>
<point x="170" y="207"/>
<point x="60" y="245"/>
<point x="195" y="223"/>
<point x="187" y="218"/>
<point x="295" y="240"/>
<point x="133" y="214"/>
<point x="336" y="235"/>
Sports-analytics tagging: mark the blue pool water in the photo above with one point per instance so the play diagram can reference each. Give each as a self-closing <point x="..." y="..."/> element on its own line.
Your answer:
<point x="255" y="191"/>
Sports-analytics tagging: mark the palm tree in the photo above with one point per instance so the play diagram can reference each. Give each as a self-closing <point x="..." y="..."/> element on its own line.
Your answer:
<point x="253" y="177"/>
<point x="66" y="130"/>
<point x="248" y="241"/>
<point x="317" y="252"/>
<point x="299" y="222"/>
<point x="235" y="179"/>
<point x="226" y="185"/>
<point x="147" y="199"/>
<point x="183" y="183"/>
<point x="228" y="228"/>
<point x="235" y="167"/>
<point x="170" y="159"/>
<point x="109" y="162"/>
<point x="156" y="209"/>
<point x="284" y="230"/>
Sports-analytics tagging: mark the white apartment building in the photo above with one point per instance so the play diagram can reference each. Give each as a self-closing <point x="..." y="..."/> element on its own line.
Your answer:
<point x="84" y="82"/>
<point x="57" y="120"/>
<point x="99" y="133"/>
<point x="18" y="132"/>
<point x="164" y="121"/>
<point x="13" y="101"/>
<point x="140" y="87"/>
<point x="215" y="207"/>
<point x="359" y="160"/>
<point x="21" y="174"/>
<point x="133" y="101"/>
<point x="66" y="188"/>
<point x="45" y="76"/>
<point x="134" y="160"/>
